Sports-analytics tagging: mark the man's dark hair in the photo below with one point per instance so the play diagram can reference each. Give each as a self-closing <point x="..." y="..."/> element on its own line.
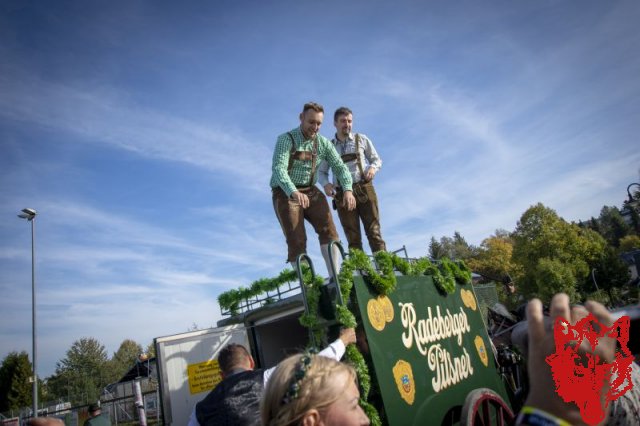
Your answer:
<point x="312" y="105"/>
<point x="341" y="111"/>
<point x="231" y="356"/>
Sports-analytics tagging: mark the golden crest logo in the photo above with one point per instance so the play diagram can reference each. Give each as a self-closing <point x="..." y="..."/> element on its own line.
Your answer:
<point x="482" y="351"/>
<point x="387" y="308"/>
<point x="375" y="312"/>
<point x="468" y="299"/>
<point x="403" y="375"/>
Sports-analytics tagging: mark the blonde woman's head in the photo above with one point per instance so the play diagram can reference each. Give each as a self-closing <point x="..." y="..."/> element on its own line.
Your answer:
<point x="312" y="390"/>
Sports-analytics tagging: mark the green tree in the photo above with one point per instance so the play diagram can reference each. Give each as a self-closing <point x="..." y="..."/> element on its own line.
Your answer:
<point x="83" y="373"/>
<point x="629" y="243"/>
<point x="436" y="251"/>
<point x="610" y="272"/>
<point x="612" y="225"/>
<point x="15" y="384"/>
<point x="151" y="350"/>
<point x="494" y="259"/>
<point x="547" y="247"/>
<point x="124" y="358"/>
<point x="453" y="248"/>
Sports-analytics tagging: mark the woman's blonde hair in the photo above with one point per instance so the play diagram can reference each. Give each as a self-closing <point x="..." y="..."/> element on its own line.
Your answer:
<point x="316" y="388"/>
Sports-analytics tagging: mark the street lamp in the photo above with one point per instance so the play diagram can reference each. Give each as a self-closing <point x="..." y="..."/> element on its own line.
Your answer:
<point x="30" y="214"/>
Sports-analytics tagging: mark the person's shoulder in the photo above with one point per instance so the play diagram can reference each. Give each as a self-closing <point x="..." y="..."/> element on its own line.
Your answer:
<point x="324" y="140"/>
<point x="293" y="132"/>
<point x="362" y="136"/>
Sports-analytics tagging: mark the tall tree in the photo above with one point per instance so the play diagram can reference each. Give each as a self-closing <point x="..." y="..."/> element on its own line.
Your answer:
<point x="629" y="243"/>
<point x="453" y="248"/>
<point x="124" y="358"/>
<point x="436" y="251"/>
<point x="547" y="247"/>
<point x="151" y="350"/>
<point x="15" y="384"/>
<point x="83" y="373"/>
<point x="610" y="272"/>
<point x="612" y="225"/>
<point x="494" y="259"/>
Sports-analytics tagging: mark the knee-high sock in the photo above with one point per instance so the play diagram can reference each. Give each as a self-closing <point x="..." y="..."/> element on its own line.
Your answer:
<point x="324" y="248"/>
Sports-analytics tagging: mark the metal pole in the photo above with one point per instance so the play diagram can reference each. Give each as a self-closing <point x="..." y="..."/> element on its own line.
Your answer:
<point x="33" y="315"/>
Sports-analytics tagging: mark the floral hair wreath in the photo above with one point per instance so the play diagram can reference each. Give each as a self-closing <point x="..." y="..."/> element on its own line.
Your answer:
<point x="293" y="392"/>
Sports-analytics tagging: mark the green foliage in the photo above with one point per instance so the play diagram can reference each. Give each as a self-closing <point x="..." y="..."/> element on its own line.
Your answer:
<point x="231" y="299"/>
<point x="151" y="350"/>
<point x="494" y="258"/>
<point x="15" y="387"/>
<point x="612" y="225"/>
<point x="599" y="296"/>
<point x="83" y="373"/>
<point x="553" y="276"/>
<point x="629" y="243"/>
<point x="124" y="358"/>
<point x="453" y="248"/>
<point x="546" y="244"/>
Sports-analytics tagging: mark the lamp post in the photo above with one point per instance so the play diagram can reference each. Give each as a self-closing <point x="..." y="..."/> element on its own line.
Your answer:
<point x="629" y="192"/>
<point x="30" y="215"/>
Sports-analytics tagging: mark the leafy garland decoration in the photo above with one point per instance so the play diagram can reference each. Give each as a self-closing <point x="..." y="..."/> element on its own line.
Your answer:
<point x="231" y="299"/>
<point x="310" y="319"/>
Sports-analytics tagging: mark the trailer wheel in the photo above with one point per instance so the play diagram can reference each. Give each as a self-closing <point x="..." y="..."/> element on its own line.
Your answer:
<point x="484" y="407"/>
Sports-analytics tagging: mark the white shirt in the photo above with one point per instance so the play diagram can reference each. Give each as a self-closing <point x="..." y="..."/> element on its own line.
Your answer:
<point x="368" y="158"/>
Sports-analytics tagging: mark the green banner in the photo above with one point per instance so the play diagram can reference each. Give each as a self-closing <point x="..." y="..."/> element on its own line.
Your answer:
<point x="429" y="350"/>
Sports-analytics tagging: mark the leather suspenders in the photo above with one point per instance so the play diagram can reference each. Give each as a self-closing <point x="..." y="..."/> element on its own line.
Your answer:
<point x="353" y="155"/>
<point x="303" y="156"/>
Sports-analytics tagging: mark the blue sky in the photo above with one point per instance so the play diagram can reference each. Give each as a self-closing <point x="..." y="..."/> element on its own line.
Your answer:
<point x="142" y="133"/>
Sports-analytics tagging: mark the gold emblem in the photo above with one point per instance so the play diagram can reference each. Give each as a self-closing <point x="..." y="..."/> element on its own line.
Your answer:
<point x="387" y="307"/>
<point x="482" y="350"/>
<point x="468" y="299"/>
<point x="403" y="375"/>
<point x="375" y="312"/>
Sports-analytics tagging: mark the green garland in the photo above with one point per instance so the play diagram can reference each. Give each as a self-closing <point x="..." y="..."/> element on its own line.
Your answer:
<point x="231" y="299"/>
<point x="310" y="319"/>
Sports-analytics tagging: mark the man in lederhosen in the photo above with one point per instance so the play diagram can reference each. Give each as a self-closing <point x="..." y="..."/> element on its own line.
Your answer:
<point x="360" y="156"/>
<point x="293" y="182"/>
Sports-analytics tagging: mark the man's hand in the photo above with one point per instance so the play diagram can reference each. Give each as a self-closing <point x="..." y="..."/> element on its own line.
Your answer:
<point x="543" y="393"/>
<point x="328" y="189"/>
<point x="301" y="198"/>
<point x="348" y="335"/>
<point x="370" y="173"/>
<point x="349" y="200"/>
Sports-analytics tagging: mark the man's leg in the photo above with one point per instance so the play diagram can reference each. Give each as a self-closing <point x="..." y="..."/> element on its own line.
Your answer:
<point x="319" y="215"/>
<point x="350" y="223"/>
<point x="370" y="215"/>
<point x="290" y="216"/>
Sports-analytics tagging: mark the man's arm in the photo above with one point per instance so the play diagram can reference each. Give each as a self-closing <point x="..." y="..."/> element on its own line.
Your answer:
<point x="323" y="178"/>
<point x="335" y="350"/>
<point x="340" y="170"/>
<point x="280" y="164"/>
<point x="373" y="159"/>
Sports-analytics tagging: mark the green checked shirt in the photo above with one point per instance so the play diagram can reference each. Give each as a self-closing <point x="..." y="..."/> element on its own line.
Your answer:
<point x="301" y="170"/>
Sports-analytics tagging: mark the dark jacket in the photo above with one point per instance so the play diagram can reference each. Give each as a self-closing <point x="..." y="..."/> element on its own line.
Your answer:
<point x="235" y="401"/>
